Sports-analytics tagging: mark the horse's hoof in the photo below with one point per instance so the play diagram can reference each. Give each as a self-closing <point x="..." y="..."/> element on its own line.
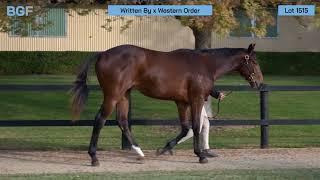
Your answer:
<point x="95" y="163"/>
<point x="203" y="160"/>
<point x="161" y="151"/>
<point x="140" y="158"/>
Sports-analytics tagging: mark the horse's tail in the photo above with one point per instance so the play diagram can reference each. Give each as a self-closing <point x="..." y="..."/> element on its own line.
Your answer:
<point x="80" y="89"/>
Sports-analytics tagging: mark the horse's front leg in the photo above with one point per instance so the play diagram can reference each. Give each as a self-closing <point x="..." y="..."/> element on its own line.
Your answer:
<point x="184" y="133"/>
<point x="187" y="132"/>
<point x="196" y="107"/>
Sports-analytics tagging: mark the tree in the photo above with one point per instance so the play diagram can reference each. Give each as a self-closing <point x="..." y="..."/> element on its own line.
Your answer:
<point x="222" y="21"/>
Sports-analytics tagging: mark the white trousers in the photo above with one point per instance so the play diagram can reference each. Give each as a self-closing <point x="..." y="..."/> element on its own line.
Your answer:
<point x="204" y="126"/>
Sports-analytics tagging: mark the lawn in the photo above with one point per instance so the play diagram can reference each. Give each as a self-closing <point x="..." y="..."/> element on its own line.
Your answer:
<point x="306" y="174"/>
<point x="239" y="105"/>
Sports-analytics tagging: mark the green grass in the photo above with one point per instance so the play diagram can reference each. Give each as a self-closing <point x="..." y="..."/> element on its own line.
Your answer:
<point x="239" y="105"/>
<point x="306" y="174"/>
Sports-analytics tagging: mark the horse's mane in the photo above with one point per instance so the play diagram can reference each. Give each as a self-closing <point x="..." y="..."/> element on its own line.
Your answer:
<point x="223" y="52"/>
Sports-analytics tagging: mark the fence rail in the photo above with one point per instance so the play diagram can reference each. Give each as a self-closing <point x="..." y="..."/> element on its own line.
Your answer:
<point x="263" y="122"/>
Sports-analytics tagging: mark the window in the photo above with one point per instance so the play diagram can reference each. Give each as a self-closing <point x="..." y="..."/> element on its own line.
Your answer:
<point x="245" y="23"/>
<point x="51" y="24"/>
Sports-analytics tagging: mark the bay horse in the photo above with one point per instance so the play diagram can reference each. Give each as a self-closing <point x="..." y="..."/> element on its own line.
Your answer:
<point x="183" y="76"/>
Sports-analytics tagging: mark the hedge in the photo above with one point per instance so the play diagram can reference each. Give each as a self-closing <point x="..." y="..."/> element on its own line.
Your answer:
<point x="272" y="63"/>
<point x="289" y="63"/>
<point x="14" y="63"/>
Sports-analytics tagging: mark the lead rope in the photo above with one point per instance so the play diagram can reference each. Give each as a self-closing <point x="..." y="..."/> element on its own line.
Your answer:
<point x="218" y="105"/>
<point x="251" y="78"/>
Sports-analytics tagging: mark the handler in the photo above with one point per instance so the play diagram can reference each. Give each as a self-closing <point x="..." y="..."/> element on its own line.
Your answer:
<point x="205" y="124"/>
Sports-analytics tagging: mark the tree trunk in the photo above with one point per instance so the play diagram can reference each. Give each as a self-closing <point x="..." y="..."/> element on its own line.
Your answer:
<point x="202" y="38"/>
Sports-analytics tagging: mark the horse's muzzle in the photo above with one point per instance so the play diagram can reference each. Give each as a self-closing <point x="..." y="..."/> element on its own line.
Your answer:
<point x="257" y="85"/>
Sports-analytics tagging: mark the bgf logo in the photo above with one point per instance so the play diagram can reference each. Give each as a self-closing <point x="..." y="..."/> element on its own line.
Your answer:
<point x="19" y="10"/>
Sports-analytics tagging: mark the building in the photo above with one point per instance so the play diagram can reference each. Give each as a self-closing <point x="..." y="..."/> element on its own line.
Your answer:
<point x="72" y="32"/>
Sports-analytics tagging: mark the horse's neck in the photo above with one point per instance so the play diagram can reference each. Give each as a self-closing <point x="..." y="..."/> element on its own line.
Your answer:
<point x="224" y="66"/>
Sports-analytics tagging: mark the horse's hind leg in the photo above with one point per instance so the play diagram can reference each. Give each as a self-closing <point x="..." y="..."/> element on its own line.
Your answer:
<point x="100" y="119"/>
<point x="122" y="118"/>
<point x="184" y="133"/>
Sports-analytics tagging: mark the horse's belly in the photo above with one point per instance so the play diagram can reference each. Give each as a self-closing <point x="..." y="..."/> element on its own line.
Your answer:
<point x="164" y="96"/>
<point x="164" y="90"/>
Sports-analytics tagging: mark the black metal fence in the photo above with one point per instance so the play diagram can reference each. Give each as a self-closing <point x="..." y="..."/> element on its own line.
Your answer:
<point x="264" y="120"/>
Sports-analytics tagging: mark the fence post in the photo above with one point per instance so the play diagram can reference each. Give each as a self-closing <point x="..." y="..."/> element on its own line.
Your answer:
<point x="264" y="128"/>
<point x="125" y="145"/>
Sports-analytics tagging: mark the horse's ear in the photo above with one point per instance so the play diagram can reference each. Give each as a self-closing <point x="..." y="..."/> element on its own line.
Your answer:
<point x="251" y="48"/>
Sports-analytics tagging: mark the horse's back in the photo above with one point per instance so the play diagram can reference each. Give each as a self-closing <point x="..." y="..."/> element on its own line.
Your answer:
<point x="142" y="60"/>
<point x="156" y="74"/>
<point x="120" y="58"/>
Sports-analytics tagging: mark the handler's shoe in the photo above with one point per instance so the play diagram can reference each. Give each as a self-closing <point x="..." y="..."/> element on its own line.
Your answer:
<point x="209" y="153"/>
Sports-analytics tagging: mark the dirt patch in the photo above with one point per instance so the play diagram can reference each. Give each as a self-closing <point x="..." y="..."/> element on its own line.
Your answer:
<point x="38" y="162"/>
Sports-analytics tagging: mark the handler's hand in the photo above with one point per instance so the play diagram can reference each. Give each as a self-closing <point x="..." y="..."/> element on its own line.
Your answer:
<point x="221" y="96"/>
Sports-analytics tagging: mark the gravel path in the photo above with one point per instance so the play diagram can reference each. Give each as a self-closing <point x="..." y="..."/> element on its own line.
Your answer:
<point x="14" y="162"/>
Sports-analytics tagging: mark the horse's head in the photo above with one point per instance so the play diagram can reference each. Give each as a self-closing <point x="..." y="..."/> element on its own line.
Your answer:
<point x="249" y="68"/>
